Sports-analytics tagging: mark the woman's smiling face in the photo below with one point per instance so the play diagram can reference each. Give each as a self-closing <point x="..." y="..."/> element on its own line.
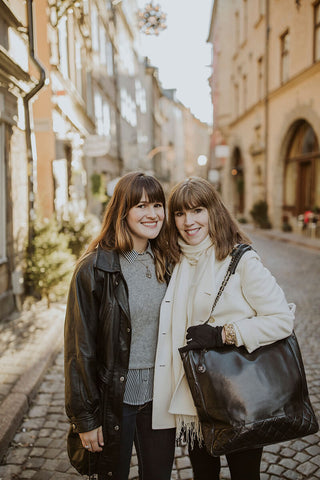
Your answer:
<point x="192" y="224"/>
<point x="145" y="221"/>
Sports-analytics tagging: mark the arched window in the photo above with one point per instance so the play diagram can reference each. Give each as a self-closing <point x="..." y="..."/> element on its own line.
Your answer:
<point x="302" y="170"/>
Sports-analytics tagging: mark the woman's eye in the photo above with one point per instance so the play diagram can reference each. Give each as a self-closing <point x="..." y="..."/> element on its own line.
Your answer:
<point x="158" y="205"/>
<point x="141" y="205"/>
<point x="178" y="214"/>
<point x="198" y="210"/>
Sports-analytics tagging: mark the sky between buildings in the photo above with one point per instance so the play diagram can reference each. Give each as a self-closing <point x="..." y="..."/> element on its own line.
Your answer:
<point x="182" y="54"/>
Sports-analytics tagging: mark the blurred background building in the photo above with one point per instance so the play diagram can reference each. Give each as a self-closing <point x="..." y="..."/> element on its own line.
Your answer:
<point x="265" y="88"/>
<point x="79" y="107"/>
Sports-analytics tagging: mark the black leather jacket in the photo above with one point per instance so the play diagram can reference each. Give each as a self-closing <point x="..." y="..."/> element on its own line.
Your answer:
<point x="97" y="348"/>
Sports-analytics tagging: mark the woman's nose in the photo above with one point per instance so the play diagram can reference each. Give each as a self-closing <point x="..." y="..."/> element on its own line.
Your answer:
<point x="188" y="219"/>
<point x="151" y="212"/>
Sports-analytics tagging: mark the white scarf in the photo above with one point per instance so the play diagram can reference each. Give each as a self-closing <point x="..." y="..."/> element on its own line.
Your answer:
<point x="192" y="285"/>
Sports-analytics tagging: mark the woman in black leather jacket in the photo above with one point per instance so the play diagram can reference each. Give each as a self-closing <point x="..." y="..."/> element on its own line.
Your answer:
<point x="110" y="338"/>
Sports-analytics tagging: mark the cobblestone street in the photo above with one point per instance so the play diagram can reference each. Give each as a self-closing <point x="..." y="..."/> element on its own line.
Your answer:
<point x="38" y="450"/>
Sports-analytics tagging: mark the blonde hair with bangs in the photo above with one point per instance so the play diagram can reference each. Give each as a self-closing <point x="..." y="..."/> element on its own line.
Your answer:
<point x="223" y="228"/>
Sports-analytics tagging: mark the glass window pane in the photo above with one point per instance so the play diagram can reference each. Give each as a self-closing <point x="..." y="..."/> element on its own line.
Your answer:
<point x="290" y="184"/>
<point x="317" y="13"/>
<point x="317" y="44"/>
<point x="309" y="143"/>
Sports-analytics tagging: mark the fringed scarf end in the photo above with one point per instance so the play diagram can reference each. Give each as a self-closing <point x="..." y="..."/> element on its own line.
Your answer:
<point x="188" y="430"/>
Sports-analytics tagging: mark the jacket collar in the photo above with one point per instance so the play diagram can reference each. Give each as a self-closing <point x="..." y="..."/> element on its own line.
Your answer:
<point x="107" y="260"/>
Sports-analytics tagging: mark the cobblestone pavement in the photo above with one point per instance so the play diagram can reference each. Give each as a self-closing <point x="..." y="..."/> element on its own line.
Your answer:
<point x="38" y="450"/>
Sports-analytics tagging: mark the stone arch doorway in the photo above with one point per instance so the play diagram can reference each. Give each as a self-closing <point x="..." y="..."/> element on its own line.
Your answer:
<point x="302" y="170"/>
<point x="238" y="186"/>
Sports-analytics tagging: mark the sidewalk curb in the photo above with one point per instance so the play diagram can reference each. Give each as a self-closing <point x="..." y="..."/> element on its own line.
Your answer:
<point x="18" y="401"/>
<point x="283" y="237"/>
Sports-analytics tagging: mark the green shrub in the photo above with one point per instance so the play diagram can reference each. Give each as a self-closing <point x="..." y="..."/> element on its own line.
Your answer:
<point x="79" y="232"/>
<point x="259" y="214"/>
<point x="49" y="262"/>
<point x="96" y="183"/>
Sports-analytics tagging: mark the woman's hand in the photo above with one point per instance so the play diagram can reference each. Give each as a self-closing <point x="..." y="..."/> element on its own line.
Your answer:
<point x="203" y="336"/>
<point x="93" y="440"/>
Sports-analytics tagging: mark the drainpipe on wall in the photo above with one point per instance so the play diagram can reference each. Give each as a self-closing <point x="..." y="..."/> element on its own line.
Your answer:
<point x="26" y="100"/>
<point x="117" y="93"/>
<point x="266" y="101"/>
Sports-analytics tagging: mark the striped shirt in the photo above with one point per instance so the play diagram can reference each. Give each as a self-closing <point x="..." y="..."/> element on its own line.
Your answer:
<point x="145" y="296"/>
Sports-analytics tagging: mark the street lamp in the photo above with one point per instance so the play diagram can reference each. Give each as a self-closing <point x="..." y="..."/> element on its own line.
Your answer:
<point x="202" y="160"/>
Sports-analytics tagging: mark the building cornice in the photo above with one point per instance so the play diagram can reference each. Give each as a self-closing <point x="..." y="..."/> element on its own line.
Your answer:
<point x="11" y="68"/>
<point x="8" y="16"/>
<point x="298" y="78"/>
<point x="293" y="82"/>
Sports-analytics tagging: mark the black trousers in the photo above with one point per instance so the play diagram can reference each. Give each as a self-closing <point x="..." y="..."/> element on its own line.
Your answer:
<point x="155" y="448"/>
<point x="242" y="465"/>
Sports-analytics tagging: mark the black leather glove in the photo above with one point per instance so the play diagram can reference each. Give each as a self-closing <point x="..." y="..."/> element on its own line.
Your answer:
<point x="203" y="336"/>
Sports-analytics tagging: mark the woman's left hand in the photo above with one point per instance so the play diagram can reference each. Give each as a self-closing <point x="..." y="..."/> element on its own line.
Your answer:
<point x="93" y="440"/>
<point x="203" y="336"/>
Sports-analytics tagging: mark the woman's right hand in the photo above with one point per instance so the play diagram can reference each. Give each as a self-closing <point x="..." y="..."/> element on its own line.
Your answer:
<point x="93" y="440"/>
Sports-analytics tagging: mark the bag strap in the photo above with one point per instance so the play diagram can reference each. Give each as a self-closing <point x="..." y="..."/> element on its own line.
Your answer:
<point x="236" y="255"/>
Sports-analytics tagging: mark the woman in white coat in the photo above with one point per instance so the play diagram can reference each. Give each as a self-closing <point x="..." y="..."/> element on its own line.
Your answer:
<point x="252" y="312"/>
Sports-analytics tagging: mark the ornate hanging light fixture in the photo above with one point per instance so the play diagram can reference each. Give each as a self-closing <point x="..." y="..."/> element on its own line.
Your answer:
<point x="151" y="20"/>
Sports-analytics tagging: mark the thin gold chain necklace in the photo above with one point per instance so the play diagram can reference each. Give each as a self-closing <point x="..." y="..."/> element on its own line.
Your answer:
<point x="148" y="272"/>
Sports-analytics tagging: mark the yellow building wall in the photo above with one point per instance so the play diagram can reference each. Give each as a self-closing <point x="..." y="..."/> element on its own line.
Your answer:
<point x="243" y="125"/>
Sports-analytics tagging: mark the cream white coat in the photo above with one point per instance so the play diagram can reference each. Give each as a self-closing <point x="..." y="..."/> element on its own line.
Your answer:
<point x="252" y="301"/>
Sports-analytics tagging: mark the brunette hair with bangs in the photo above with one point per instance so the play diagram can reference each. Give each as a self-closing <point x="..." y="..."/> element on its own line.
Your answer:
<point x="115" y="233"/>
<point x="224" y="230"/>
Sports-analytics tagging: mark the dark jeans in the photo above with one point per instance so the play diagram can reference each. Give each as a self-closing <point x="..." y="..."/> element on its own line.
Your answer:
<point x="155" y="448"/>
<point x="243" y="465"/>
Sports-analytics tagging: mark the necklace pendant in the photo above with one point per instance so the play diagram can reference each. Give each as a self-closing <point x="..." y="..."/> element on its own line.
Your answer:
<point x="148" y="273"/>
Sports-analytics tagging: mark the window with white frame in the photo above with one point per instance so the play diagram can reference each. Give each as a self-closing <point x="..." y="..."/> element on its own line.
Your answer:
<point x="141" y="100"/>
<point x="128" y="108"/>
<point x="109" y="58"/>
<point x="2" y="195"/>
<point x="106" y="119"/>
<point x="78" y="59"/>
<point x="103" y="45"/>
<point x="63" y="47"/>
<point x="94" y="28"/>
<point x="102" y="115"/>
<point x="126" y="55"/>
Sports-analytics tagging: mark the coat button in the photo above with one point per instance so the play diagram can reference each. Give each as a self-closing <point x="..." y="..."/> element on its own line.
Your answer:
<point x="116" y="427"/>
<point x="128" y="330"/>
<point x="116" y="283"/>
<point x="109" y="474"/>
<point x="121" y="379"/>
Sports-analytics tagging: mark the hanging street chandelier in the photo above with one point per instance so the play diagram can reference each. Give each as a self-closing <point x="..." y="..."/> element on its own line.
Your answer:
<point x="151" y="20"/>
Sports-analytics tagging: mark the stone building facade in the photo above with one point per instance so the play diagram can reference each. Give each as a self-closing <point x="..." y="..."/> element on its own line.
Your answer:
<point x="82" y="111"/>
<point x="20" y="79"/>
<point x="265" y="88"/>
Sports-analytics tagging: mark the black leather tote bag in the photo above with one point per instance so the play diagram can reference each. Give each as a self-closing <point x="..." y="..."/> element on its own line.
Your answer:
<point x="247" y="400"/>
